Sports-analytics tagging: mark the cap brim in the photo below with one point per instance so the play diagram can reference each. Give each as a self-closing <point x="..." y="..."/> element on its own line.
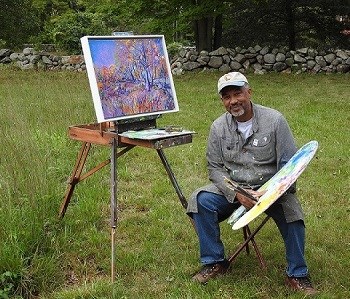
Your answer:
<point x="236" y="83"/>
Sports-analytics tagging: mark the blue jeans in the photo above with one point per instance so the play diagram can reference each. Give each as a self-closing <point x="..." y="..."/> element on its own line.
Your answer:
<point x="214" y="208"/>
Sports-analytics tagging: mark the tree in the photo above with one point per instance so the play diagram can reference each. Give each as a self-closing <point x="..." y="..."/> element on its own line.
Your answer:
<point x="206" y="19"/>
<point x="291" y="23"/>
<point x="18" y="22"/>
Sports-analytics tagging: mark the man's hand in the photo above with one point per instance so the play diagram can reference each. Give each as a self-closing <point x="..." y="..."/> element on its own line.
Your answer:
<point x="246" y="201"/>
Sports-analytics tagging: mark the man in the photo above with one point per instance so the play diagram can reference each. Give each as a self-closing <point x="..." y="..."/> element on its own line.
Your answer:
<point x="248" y="144"/>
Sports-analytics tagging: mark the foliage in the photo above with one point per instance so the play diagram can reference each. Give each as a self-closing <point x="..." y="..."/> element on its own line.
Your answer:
<point x="18" y="22"/>
<point x="174" y="48"/>
<point x="294" y="24"/>
<point x="156" y="246"/>
<point x="207" y="24"/>
<point x="69" y="28"/>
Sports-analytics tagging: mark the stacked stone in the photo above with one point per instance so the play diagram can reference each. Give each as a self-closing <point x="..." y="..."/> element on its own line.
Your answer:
<point x="256" y="59"/>
<point x="261" y="60"/>
<point x="31" y="59"/>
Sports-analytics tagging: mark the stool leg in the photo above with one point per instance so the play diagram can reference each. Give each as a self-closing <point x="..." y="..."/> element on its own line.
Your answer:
<point x="257" y="251"/>
<point x="245" y="236"/>
<point x="250" y="238"/>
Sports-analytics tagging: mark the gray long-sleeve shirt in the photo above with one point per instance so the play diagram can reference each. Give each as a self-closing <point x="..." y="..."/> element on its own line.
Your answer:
<point x="249" y="162"/>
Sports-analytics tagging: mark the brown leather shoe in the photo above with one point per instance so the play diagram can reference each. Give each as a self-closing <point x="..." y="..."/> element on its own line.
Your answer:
<point x="302" y="284"/>
<point x="210" y="271"/>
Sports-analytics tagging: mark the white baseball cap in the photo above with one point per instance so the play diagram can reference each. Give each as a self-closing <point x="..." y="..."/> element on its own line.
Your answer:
<point x="231" y="79"/>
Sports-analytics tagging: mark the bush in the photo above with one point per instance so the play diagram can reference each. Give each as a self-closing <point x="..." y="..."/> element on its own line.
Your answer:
<point x="66" y="30"/>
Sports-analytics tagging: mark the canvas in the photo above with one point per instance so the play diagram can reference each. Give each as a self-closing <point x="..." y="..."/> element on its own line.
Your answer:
<point x="129" y="76"/>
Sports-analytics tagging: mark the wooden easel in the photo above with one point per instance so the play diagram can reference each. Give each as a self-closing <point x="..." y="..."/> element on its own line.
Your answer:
<point x="108" y="134"/>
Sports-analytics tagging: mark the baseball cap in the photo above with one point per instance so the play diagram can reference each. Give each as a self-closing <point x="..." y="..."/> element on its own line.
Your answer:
<point x="231" y="79"/>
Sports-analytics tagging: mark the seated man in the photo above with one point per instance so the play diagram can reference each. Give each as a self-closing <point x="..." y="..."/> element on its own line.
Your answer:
<point x="248" y="144"/>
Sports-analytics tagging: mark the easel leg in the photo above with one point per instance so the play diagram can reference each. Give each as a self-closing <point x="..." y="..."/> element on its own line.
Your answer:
<point x="172" y="178"/>
<point x="74" y="179"/>
<point x="174" y="181"/>
<point x="113" y="204"/>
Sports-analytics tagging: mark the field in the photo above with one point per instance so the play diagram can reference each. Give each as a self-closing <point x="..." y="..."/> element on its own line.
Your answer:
<point x="156" y="247"/>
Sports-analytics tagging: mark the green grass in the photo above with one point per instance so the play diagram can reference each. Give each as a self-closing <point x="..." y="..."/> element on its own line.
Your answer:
<point x="156" y="247"/>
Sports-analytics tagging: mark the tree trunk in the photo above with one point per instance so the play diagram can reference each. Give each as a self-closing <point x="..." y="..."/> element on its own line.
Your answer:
<point x="203" y="29"/>
<point x="290" y="24"/>
<point x="218" y="32"/>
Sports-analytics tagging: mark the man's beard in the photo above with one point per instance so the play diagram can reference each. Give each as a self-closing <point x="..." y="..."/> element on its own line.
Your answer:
<point x="237" y="113"/>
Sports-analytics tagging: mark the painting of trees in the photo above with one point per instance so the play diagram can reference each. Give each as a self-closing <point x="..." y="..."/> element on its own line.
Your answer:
<point x="133" y="76"/>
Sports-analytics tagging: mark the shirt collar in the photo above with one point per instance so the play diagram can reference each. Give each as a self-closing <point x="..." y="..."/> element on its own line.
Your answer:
<point x="255" y="126"/>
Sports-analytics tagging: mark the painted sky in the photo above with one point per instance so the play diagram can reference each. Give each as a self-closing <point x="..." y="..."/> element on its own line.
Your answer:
<point x="102" y="52"/>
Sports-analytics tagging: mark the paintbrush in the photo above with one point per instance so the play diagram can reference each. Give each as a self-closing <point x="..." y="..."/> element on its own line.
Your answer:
<point x="236" y="187"/>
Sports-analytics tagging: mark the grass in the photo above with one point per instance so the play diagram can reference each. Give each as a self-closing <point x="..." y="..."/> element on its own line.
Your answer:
<point x="156" y="247"/>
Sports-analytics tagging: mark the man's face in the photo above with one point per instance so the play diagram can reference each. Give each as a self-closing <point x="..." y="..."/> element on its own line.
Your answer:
<point x="237" y="102"/>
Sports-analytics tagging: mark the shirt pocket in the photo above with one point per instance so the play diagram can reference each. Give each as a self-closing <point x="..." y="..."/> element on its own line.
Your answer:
<point x="262" y="148"/>
<point x="229" y="149"/>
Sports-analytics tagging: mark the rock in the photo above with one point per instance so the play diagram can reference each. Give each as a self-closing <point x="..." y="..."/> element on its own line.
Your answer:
<point x="289" y="61"/>
<point x="280" y="57"/>
<point x="203" y="61"/>
<point x="264" y="50"/>
<point x="215" y="62"/>
<point x="311" y="64"/>
<point x="46" y="60"/>
<point x="312" y="53"/>
<point x="342" y="54"/>
<point x="189" y="66"/>
<point x="235" y="65"/>
<point x="336" y="61"/>
<point x="329" y="58"/>
<point x="5" y="52"/>
<point x="269" y="58"/>
<point x="257" y="48"/>
<point x="225" y="68"/>
<point x="14" y="56"/>
<point x="298" y="58"/>
<point x="279" y="66"/>
<point x="219" y="52"/>
<point x="343" y="68"/>
<point x="240" y="58"/>
<point x="303" y="51"/>
<point x="320" y="60"/>
<point x="231" y="52"/>
<point x="5" y="60"/>
<point x="226" y="59"/>
<point x="257" y="66"/>
<point x="28" y="51"/>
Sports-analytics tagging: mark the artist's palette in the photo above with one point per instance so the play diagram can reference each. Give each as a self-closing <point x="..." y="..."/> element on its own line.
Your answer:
<point x="278" y="184"/>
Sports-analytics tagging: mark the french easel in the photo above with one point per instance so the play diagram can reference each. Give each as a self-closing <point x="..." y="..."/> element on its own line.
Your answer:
<point x="107" y="134"/>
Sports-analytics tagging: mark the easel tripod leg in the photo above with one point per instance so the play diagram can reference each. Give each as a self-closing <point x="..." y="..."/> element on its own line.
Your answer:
<point x="174" y="182"/>
<point x="74" y="179"/>
<point x="113" y="204"/>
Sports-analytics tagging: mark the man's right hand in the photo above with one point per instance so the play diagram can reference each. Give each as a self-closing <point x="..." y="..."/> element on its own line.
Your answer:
<point x="246" y="201"/>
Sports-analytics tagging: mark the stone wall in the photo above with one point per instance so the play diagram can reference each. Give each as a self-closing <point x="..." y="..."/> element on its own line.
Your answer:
<point x="31" y="59"/>
<point x="262" y="60"/>
<point x="256" y="59"/>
